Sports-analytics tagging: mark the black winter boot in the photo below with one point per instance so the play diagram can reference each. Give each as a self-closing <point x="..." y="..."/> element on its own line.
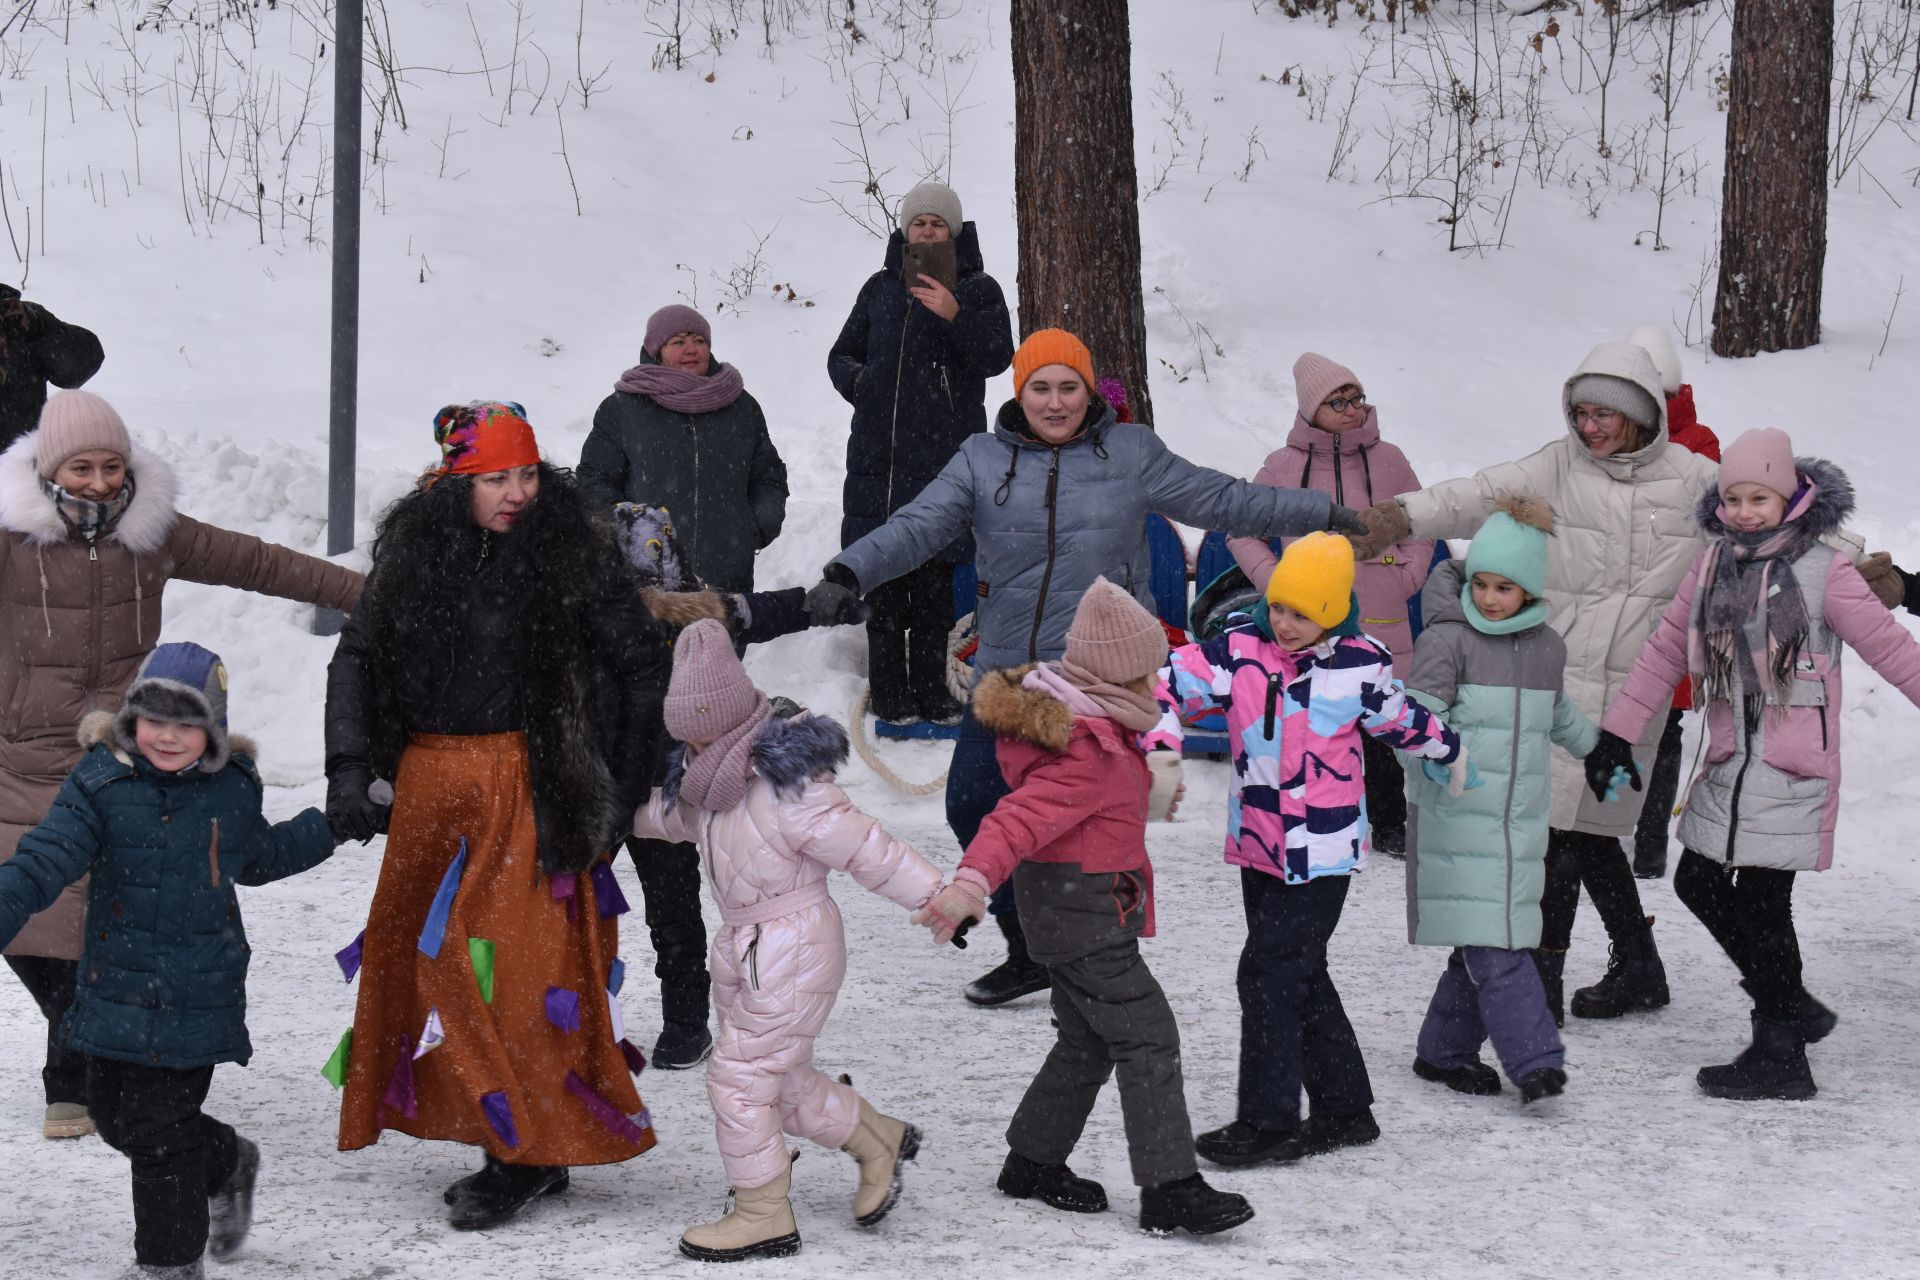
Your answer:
<point x="684" y="1039"/>
<point x="1773" y="1066"/>
<point x="1191" y="1205"/>
<point x="1053" y="1184"/>
<point x="1635" y="979"/>
<point x="502" y="1192"/>
<point x="1811" y="1019"/>
<point x="1241" y="1144"/>
<point x="1553" y="976"/>
<point x="1475" y="1079"/>
<point x="230" y="1209"/>
<point x="1547" y="1082"/>
<point x="1018" y="975"/>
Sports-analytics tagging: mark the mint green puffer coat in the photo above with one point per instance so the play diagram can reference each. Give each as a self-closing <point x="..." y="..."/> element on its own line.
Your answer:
<point x="1476" y="865"/>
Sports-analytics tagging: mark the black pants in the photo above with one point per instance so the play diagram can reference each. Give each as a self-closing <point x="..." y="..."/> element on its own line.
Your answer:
<point x="670" y="884"/>
<point x="1293" y="1029"/>
<point x="1576" y="858"/>
<point x="50" y="983"/>
<point x="1663" y="788"/>
<point x="907" y="639"/>
<point x="180" y="1156"/>
<point x="1749" y="912"/>
<point x="1386" y="785"/>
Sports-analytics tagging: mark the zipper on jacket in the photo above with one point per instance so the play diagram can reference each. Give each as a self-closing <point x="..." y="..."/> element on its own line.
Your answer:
<point x="1823" y="727"/>
<point x="1273" y="698"/>
<point x="695" y="434"/>
<point x="753" y="958"/>
<point x="1513" y="779"/>
<point x="94" y="592"/>
<point x="213" y="854"/>
<point x="893" y="426"/>
<point x="1046" y="578"/>
<point x="1750" y="718"/>
<point x="946" y="386"/>
<point x="1339" y="481"/>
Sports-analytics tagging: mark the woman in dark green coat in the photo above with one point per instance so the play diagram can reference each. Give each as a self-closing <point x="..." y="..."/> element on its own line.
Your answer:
<point x="681" y="432"/>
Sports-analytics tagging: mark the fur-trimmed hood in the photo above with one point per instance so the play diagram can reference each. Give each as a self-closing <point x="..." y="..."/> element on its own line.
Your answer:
<point x="1831" y="505"/>
<point x="142" y="529"/>
<point x="789" y="754"/>
<point x="99" y="728"/>
<point x="1001" y="704"/>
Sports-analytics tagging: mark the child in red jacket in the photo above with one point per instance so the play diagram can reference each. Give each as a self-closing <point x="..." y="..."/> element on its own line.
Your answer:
<point x="1072" y="835"/>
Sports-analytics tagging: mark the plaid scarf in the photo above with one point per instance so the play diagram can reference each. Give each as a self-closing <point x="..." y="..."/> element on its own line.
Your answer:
<point x="84" y="516"/>
<point x="1751" y="592"/>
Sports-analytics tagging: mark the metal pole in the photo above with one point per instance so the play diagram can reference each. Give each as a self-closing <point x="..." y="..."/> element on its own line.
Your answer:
<point x="344" y="386"/>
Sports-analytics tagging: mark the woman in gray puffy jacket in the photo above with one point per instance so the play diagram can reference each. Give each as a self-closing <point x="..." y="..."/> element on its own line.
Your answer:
<point x="1056" y="495"/>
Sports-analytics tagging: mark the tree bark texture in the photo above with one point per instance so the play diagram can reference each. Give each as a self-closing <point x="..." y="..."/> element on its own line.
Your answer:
<point x="1773" y="216"/>
<point x="1075" y="184"/>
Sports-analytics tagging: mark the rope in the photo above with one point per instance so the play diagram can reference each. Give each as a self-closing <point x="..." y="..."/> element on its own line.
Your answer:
<point x="959" y="683"/>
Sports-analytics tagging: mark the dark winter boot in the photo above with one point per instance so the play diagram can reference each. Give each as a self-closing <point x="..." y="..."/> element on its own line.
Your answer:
<point x="1391" y="841"/>
<point x="1018" y="975"/>
<point x="1812" y="1020"/>
<point x="194" y="1270"/>
<point x="1773" y="1066"/>
<point x="1553" y="976"/>
<point x="1547" y="1082"/>
<point x="1650" y="859"/>
<point x="503" y="1192"/>
<point x="1635" y="979"/>
<point x="937" y="706"/>
<point x="1052" y="1184"/>
<point x="230" y="1209"/>
<point x="1475" y="1079"/>
<point x="684" y="1039"/>
<point x="1241" y="1145"/>
<point x="1192" y="1206"/>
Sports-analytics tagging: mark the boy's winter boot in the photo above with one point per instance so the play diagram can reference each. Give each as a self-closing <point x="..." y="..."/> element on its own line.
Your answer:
<point x="759" y="1224"/>
<point x="195" y="1270"/>
<point x="1553" y="976"/>
<point x="501" y="1191"/>
<point x="1191" y="1205"/>
<point x="1635" y="979"/>
<point x="230" y="1209"/>
<point x="1773" y="1066"/>
<point x="1547" y="1082"/>
<point x="1475" y="1078"/>
<point x="881" y="1144"/>
<point x="66" y="1120"/>
<point x="1018" y="975"/>
<point x="1053" y="1184"/>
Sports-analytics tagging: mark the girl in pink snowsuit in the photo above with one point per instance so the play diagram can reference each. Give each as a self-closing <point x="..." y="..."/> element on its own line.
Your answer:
<point x="757" y="795"/>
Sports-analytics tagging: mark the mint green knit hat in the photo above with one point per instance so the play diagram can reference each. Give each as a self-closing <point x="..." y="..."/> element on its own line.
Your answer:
<point x="1513" y="543"/>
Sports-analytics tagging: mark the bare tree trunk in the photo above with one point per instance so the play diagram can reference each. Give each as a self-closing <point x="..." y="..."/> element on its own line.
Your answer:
<point x="1075" y="185"/>
<point x="1773" y="217"/>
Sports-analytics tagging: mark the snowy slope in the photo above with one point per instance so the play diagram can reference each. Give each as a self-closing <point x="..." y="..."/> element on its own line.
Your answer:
<point x="481" y="280"/>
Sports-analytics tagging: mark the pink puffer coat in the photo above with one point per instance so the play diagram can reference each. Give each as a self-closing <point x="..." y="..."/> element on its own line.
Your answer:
<point x="780" y="954"/>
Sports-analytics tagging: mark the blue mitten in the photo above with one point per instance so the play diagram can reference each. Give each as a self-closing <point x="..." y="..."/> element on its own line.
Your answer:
<point x="1618" y="782"/>
<point x="1444" y="775"/>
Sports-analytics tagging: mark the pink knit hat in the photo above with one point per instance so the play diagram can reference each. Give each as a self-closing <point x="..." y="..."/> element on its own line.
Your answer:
<point x="1113" y="638"/>
<point x="1763" y="456"/>
<point x="1315" y="378"/>
<point x="74" y="422"/>
<point x="669" y="322"/>
<point x="709" y="693"/>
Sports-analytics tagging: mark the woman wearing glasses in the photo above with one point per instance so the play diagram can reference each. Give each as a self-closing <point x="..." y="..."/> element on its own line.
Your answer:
<point x="1626" y="535"/>
<point x="1335" y="447"/>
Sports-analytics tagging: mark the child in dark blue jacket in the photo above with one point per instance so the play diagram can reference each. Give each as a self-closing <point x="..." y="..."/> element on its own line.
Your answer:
<point x="165" y="815"/>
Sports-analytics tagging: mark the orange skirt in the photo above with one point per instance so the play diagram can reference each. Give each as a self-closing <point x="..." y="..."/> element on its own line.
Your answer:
<point x="535" y="1074"/>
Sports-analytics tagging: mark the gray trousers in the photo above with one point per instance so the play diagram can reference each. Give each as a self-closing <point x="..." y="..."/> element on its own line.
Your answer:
<point x="1113" y="1016"/>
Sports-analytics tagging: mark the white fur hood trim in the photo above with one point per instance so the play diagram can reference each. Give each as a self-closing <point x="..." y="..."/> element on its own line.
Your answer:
<point x="144" y="527"/>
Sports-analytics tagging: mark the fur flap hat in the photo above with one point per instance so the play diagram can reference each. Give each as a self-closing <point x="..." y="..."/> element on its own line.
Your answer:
<point x="179" y="683"/>
<point x="1513" y="543"/>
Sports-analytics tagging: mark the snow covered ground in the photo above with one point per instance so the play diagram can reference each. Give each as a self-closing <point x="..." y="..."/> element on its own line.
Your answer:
<point x="482" y="281"/>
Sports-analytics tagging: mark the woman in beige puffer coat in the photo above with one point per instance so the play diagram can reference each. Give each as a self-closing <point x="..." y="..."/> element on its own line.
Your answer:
<point x="81" y="612"/>
<point x="1626" y="536"/>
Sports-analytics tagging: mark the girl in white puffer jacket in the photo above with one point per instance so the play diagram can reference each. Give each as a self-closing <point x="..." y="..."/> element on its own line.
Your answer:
<point x="757" y="795"/>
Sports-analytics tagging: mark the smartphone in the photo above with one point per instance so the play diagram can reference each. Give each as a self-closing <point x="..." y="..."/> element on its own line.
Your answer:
<point x="935" y="259"/>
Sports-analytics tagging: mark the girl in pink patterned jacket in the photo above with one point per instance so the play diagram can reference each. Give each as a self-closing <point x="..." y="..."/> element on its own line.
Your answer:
<point x="757" y="795"/>
<point x="1299" y="687"/>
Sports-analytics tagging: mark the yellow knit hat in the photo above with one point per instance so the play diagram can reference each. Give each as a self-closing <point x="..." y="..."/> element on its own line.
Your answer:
<point x="1051" y="346"/>
<point x="1315" y="579"/>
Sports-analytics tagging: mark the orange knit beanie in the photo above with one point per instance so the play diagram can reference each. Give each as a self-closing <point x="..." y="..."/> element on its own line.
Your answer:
<point x="1051" y="346"/>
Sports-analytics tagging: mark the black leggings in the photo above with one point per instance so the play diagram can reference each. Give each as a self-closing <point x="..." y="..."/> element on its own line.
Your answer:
<point x="1749" y="912"/>
<point x="50" y="983"/>
<point x="1576" y="858"/>
<point x="180" y="1155"/>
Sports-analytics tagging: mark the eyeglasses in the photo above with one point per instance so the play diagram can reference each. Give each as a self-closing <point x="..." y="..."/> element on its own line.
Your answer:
<point x="1340" y="404"/>
<point x="1598" y="417"/>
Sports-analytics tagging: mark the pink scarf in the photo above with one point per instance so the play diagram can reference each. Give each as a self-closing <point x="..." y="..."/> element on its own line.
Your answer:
<point x="678" y="391"/>
<point x="717" y="775"/>
<point x="1087" y="695"/>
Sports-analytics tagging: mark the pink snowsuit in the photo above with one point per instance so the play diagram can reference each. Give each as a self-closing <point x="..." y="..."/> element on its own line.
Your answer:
<point x="780" y="954"/>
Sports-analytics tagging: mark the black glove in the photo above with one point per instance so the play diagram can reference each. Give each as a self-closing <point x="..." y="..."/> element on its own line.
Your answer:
<point x="351" y="811"/>
<point x="1346" y="520"/>
<point x="835" y="599"/>
<point x="1610" y="753"/>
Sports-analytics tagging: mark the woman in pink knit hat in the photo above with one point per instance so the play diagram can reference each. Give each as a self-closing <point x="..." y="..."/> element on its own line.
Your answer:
<point x="1335" y="447"/>
<point x="757" y="794"/>
<point x="1758" y="625"/>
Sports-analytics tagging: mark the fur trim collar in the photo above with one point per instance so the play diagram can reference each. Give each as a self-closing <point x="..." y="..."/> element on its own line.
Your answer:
<point x="789" y="754"/>
<point x="1832" y="502"/>
<point x="142" y="529"/>
<point x="102" y="728"/>
<point x="681" y="609"/>
<point x="1010" y="711"/>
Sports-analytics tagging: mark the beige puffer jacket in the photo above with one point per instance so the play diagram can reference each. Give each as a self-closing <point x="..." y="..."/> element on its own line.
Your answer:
<point x="1625" y="540"/>
<point x="77" y="623"/>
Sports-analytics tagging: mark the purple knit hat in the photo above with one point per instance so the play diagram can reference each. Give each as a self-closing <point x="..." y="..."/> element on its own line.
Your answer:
<point x="709" y="694"/>
<point x="668" y="322"/>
